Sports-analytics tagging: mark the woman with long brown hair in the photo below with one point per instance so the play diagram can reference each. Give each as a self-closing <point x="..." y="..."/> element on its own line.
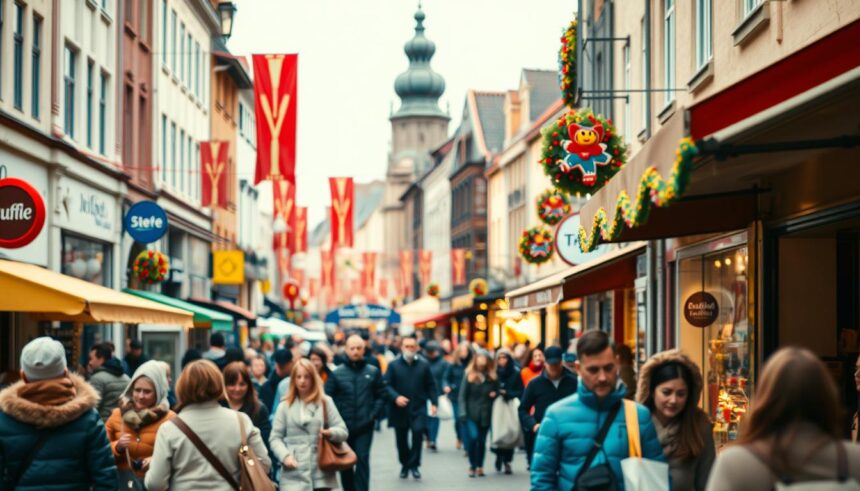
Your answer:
<point x="793" y="432"/>
<point x="242" y="397"/>
<point x="670" y="385"/>
<point x="479" y="387"/>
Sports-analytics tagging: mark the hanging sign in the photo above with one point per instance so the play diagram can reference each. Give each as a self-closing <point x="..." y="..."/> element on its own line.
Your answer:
<point x="701" y="309"/>
<point x="22" y="213"/>
<point x="228" y="267"/>
<point x="567" y="242"/>
<point x="146" y="222"/>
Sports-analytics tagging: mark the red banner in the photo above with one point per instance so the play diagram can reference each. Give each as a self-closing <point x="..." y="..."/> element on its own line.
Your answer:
<point x="368" y="275"/>
<point x="283" y="256"/>
<point x="214" y="173"/>
<point x="342" y="205"/>
<point x="301" y="228"/>
<point x="383" y="288"/>
<point x="284" y="198"/>
<point x="313" y="287"/>
<point x="275" y="97"/>
<point x="406" y="267"/>
<point x="327" y="272"/>
<point x="458" y="266"/>
<point x="425" y="267"/>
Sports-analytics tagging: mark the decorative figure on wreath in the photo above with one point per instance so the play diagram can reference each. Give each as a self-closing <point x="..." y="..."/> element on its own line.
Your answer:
<point x="585" y="151"/>
<point x="552" y="206"/>
<point x="536" y="244"/>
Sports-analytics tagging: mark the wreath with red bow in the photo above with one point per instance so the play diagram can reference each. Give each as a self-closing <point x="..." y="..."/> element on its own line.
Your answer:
<point x="478" y="287"/>
<point x="433" y="290"/>
<point x="536" y="244"/>
<point x="567" y="65"/>
<point x="151" y="267"/>
<point x="552" y="206"/>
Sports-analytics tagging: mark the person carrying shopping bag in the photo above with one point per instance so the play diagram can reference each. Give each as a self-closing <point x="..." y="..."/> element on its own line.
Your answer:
<point x="477" y="391"/>
<point x="510" y="392"/>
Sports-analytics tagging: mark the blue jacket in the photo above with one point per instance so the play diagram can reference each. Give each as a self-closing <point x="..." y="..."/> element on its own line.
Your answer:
<point x="567" y="433"/>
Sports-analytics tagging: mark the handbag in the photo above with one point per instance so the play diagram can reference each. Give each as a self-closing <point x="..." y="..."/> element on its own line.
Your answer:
<point x="641" y="474"/>
<point x="128" y="479"/>
<point x="445" y="410"/>
<point x="252" y="476"/>
<point x="333" y="456"/>
<point x="599" y="477"/>
<point x="506" y="428"/>
<point x="843" y="481"/>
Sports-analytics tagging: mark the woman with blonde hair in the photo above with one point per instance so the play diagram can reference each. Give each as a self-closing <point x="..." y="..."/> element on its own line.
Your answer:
<point x="793" y="432"/>
<point x="479" y="387"/>
<point x="305" y="414"/>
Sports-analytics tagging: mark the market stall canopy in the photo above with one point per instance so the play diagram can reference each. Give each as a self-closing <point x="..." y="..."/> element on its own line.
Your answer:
<point x="361" y="311"/>
<point x="420" y="308"/>
<point x="228" y="308"/>
<point x="203" y="317"/>
<point x="49" y="295"/>
<point x="280" y="328"/>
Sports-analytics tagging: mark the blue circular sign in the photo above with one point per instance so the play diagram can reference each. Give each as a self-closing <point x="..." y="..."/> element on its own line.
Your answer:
<point x="146" y="222"/>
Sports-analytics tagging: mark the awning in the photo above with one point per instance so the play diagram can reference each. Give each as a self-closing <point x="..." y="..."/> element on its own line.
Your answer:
<point x="539" y="294"/>
<point x="203" y="317"/>
<point x="233" y="310"/>
<point x="280" y="327"/>
<point x="613" y="270"/>
<point x="420" y="308"/>
<point x="53" y="296"/>
<point x="442" y="319"/>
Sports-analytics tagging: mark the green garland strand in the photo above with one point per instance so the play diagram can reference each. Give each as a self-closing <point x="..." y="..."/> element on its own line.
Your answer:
<point x="567" y="65"/>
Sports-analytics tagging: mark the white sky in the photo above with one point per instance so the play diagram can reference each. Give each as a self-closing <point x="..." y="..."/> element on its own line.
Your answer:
<point x="350" y="52"/>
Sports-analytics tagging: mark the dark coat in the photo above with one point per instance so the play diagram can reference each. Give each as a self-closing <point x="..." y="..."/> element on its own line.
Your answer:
<point x="510" y="382"/>
<point x="267" y="391"/>
<point x="540" y="393"/>
<point x="260" y="418"/>
<point x="359" y="392"/>
<point x="76" y="455"/>
<point x="438" y="366"/>
<point x="415" y="382"/>
<point x="476" y="405"/>
<point x="453" y="376"/>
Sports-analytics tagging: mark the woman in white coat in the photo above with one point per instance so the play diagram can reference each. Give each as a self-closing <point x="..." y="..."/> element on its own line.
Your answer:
<point x="297" y="427"/>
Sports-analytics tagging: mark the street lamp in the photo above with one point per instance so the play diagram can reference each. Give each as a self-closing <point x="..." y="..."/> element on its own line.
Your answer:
<point x="227" y="10"/>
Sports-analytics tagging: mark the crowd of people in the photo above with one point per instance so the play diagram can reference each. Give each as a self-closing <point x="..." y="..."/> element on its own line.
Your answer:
<point x="570" y="410"/>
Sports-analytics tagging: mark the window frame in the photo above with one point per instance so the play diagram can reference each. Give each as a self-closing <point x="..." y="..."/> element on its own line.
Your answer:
<point x="164" y="32"/>
<point x="173" y="21"/>
<point x="669" y="50"/>
<point x="104" y="84"/>
<point x="704" y="32"/>
<point x="36" y="69"/>
<point x="628" y="78"/>
<point x="91" y="66"/>
<point x="181" y="73"/>
<point x="18" y="56"/>
<point x="69" y="84"/>
<point x="173" y="155"/>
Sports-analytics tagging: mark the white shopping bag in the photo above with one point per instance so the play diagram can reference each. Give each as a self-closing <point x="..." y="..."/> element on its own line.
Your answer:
<point x="444" y="410"/>
<point x="641" y="474"/>
<point x="506" y="429"/>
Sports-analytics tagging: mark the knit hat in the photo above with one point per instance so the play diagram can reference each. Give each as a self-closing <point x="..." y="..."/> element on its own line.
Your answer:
<point x="43" y="359"/>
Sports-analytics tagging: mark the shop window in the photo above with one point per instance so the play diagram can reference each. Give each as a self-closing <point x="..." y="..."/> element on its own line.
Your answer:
<point x="36" y="78"/>
<point x="86" y="259"/>
<point x="18" y="37"/>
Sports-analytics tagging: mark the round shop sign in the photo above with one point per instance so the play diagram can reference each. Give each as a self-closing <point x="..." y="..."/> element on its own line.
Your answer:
<point x="22" y="213"/>
<point x="146" y="222"/>
<point x="567" y="242"/>
<point x="701" y="309"/>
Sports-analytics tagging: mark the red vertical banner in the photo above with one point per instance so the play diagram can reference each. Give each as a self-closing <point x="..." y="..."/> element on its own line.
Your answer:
<point x="275" y="97"/>
<point x="327" y="272"/>
<point x="342" y="205"/>
<point x="425" y="267"/>
<point x="283" y="256"/>
<point x="406" y="266"/>
<point x="284" y="198"/>
<point x="383" y="288"/>
<point x="313" y="287"/>
<point x="300" y="237"/>
<point x="368" y="276"/>
<point x="458" y="267"/>
<point x="213" y="172"/>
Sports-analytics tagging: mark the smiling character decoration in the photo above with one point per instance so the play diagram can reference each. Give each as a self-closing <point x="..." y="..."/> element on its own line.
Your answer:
<point x="585" y="151"/>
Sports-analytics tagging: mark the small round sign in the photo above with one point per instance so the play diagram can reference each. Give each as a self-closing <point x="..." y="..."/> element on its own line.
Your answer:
<point x="567" y="242"/>
<point x="701" y="309"/>
<point x="146" y="222"/>
<point x="22" y="213"/>
<point x="290" y="290"/>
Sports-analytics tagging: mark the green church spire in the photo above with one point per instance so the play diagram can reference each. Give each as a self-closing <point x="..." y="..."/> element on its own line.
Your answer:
<point x="419" y="87"/>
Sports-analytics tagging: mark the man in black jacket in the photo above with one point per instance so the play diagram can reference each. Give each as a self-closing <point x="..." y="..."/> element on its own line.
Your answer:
<point x="283" y="360"/>
<point x="438" y="367"/>
<point x="411" y="385"/>
<point x="554" y="384"/>
<point x="359" y="392"/>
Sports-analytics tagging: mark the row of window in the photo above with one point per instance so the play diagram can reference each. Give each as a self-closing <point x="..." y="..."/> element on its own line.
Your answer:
<point x="19" y="28"/>
<point x="247" y="124"/>
<point x="180" y="168"/>
<point x="182" y="53"/>
<point x="93" y="76"/>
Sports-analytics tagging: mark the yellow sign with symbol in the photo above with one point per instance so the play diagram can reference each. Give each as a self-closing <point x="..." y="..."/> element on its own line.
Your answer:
<point x="228" y="267"/>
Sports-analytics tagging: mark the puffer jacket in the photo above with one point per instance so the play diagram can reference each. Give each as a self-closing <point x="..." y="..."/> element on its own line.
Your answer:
<point x="110" y="382"/>
<point x="567" y="434"/>
<point x="360" y="393"/>
<point x="76" y="454"/>
<point x="142" y="440"/>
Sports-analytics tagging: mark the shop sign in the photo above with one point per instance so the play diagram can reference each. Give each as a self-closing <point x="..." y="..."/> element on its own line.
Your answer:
<point x="537" y="299"/>
<point x="22" y="213"/>
<point x="146" y="222"/>
<point x="462" y="302"/>
<point x="228" y="267"/>
<point x="701" y="309"/>
<point x="567" y="242"/>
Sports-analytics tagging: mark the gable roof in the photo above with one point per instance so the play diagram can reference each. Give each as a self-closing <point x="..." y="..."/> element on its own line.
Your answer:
<point x="488" y="122"/>
<point x="543" y="90"/>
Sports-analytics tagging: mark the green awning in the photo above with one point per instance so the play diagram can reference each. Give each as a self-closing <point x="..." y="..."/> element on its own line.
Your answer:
<point x="203" y="317"/>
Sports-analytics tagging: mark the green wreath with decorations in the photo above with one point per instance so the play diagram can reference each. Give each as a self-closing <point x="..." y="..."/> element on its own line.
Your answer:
<point x="433" y="290"/>
<point x="478" y="287"/>
<point x="536" y="244"/>
<point x="567" y="65"/>
<point x="581" y="151"/>
<point x="151" y="267"/>
<point x="552" y="206"/>
<point x="652" y="191"/>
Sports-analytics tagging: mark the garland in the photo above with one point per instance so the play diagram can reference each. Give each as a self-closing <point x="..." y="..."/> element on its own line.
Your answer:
<point x="581" y="151"/>
<point x="433" y="290"/>
<point x="552" y="206"/>
<point x="567" y="65"/>
<point x="536" y="244"/>
<point x="151" y="267"/>
<point x="478" y="287"/>
<point x="652" y="190"/>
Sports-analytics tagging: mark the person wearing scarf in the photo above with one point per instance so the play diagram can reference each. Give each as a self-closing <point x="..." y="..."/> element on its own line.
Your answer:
<point x="534" y="368"/>
<point x="143" y="408"/>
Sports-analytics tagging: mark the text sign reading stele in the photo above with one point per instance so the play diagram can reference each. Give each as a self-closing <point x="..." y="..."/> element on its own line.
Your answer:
<point x="146" y="222"/>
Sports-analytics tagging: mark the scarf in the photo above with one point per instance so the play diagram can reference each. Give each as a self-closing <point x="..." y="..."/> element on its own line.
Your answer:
<point x="138" y="419"/>
<point x="668" y="436"/>
<point x="535" y="367"/>
<point x="52" y="392"/>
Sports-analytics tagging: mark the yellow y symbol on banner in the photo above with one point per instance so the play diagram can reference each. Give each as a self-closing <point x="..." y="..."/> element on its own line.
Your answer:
<point x="341" y="208"/>
<point x="214" y="169"/>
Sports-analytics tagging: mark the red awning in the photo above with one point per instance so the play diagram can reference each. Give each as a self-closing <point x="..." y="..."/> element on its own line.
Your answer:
<point x="439" y="319"/>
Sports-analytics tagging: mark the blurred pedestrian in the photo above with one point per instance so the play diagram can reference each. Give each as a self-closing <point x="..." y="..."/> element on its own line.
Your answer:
<point x="51" y="437"/>
<point x="107" y="377"/>
<point x="259" y="368"/>
<point x="451" y="385"/>
<point x="792" y="433"/>
<point x="283" y="361"/>
<point x="510" y="388"/>
<point x="190" y="355"/>
<point x="134" y="356"/>
<point x="477" y="391"/>
<point x="216" y="347"/>
<point x="242" y="397"/>
<point x="438" y="367"/>
<point x="670" y="385"/>
<point x="319" y="358"/>
<point x="177" y="461"/>
<point x="625" y="369"/>
<point x="306" y="414"/>
<point x="232" y="354"/>
<point x="534" y="367"/>
<point x="171" y="394"/>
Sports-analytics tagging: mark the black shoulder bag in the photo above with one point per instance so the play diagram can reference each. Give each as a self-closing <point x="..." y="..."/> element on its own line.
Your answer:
<point x="12" y="481"/>
<point x="601" y="477"/>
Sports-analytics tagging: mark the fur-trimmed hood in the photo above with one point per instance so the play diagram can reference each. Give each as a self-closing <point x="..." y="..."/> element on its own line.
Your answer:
<point x="41" y="416"/>
<point x="659" y="359"/>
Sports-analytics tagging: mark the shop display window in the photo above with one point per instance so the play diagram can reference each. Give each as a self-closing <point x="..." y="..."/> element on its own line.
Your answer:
<point x="86" y="259"/>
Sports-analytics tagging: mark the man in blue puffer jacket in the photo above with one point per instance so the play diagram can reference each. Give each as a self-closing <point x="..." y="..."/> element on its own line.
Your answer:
<point x="570" y="426"/>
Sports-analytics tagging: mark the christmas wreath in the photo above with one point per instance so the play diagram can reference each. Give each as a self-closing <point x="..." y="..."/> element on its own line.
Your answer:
<point x="567" y="65"/>
<point x="151" y="267"/>
<point x="536" y="244"/>
<point x="552" y="206"/>
<point x="478" y="287"/>
<point x="433" y="290"/>
<point x="581" y="151"/>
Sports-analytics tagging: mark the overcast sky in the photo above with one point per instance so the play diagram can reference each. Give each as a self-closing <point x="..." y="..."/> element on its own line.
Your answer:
<point x="350" y="52"/>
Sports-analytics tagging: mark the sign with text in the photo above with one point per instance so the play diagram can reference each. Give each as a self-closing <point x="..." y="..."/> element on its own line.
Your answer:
<point x="567" y="242"/>
<point x="701" y="309"/>
<point x="22" y="213"/>
<point x="146" y="222"/>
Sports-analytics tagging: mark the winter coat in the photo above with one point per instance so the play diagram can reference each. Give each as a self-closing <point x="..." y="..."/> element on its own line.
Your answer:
<point x="415" y="382"/>
<point x="438" y="367"/>
<point x="178" y="465"/>
<point x="142" y="441"/>
<point x="76" y="454"/>
<point x="360" y="393"/>
<point x="510" y="381"/>
<point x="529" y="372"/>
<point x="267" y="391"/>
<point x="452" y="378"/>
<point x="259" y="418"/>
<point x="475" y="402"/>
<point x="540" y="394"/>
<point x="293" y="437"/>
<point x="690" y="473"/>
<point x="110" y="382"/>
<point x="567" y="434"/>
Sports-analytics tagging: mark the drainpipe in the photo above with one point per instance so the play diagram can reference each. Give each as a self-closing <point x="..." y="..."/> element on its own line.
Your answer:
<point x="647" y="62"/>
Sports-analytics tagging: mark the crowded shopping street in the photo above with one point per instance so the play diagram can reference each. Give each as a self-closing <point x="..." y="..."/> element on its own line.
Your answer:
<point x="588" y="245"/>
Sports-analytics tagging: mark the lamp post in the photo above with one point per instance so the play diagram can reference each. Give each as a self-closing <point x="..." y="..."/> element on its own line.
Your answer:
<point x="227" y="11"/>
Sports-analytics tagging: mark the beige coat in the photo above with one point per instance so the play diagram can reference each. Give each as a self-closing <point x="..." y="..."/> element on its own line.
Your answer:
<point x="178" y="465"/>
<point x="738" y="468"/>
